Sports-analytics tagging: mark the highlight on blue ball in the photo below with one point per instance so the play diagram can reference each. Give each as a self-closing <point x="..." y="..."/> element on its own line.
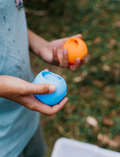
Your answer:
<point x="51" y="78"/>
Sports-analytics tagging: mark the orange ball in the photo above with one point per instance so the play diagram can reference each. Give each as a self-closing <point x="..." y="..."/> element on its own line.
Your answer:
<point x="76" y="48"/>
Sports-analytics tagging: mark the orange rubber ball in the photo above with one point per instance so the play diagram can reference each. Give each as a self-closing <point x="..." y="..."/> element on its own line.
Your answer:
<point x="76" y="48"/>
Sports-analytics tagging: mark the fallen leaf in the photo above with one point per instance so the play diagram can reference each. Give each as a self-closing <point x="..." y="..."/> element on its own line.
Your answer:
<point x="117" y="139"/>
<point x="98" y="83"/>
<point x="112" y="42"/>
<point x="61" y="130"/>
<point x="106" y="67"/>
<point x="84" y="74"/>
<point x="105" y="140"/>
<point x="81" y="77"/>
<point x="97" y="40"/>
<point x="69" y="108"/>
<point x="107" y="121"/>
<point x="77" y="79"/>
<point x="92" y="121"/>
<point x="118" y="23"/>
<point x="105" y="103"/>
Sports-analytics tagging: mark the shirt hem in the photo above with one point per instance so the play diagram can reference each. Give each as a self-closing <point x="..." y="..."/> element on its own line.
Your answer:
<point x="25" y="141"/>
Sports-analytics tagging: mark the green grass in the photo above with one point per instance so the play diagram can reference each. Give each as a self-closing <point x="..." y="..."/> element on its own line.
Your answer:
<point x="98" y="94"/>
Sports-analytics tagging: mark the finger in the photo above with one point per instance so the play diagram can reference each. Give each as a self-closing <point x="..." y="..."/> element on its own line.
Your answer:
<point x="83" y="61"/>
<point x="36" y="105"/>
<point x="59" y="106"/>
<point x="46" y="69"/>
<point x="77" y="64"/>
<point x="48" y="110"/>
<point x="31" y="89"/>
<point x="74" y="36"/>
<point x="65" y="63"/>
<point x="77" y="36"/>
<point x="55" y="57"/>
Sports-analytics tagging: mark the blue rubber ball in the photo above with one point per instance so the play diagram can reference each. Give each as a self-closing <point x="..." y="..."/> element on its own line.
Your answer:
<point x="51" y="78"/>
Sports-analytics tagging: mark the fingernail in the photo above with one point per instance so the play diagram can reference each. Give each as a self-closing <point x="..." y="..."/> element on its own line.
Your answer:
<point x="65" y="51"/>
<point x="78" y="60"/>
<point x="54" y="49"/>
<point x="52" y="88"/>
<point x="81" y="35"/>
<point x="46" y="69"/>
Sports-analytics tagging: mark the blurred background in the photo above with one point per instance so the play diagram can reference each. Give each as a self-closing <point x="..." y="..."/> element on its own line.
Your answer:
<point x="92" y="114"/>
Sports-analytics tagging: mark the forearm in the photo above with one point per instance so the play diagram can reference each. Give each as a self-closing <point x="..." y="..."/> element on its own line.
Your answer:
<point x="10" y="86"/>
<point x="22" y="92"/>
<point x="1" y="85"/>
<point x="36" y="43"/>
<point x="5" y="90"/>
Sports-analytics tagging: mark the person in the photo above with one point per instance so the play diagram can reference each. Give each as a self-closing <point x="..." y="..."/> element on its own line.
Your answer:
<point x="20" y="132"/>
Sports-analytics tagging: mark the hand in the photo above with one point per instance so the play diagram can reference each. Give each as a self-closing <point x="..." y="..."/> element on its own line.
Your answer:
<point x="54" y="54"/>
<point x="23" y="92"/>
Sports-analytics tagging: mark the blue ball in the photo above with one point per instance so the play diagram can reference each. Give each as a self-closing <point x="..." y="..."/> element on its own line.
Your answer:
<point x="51" y="78"/>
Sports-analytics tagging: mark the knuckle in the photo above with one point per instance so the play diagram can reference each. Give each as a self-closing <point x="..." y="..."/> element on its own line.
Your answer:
<point x="44" y="90"/>
<point x="32" y="107"/>
<point x="23" y="91"/>
<point x="51" y="113"/>
<point x="66" y="66"/>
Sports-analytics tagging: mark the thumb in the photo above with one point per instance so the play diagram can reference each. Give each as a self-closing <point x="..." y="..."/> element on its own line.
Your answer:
<point x="40" y="89"/>
<point x="74" y="36"/>
<point x="77" y="36"/>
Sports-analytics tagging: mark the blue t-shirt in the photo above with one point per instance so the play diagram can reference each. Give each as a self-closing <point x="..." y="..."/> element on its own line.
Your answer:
<point x="17" y="123"/>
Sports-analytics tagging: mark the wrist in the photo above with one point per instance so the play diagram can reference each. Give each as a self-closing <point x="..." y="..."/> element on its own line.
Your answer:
<point x="2" y="86"/>
<point x="36" y="43"/>
<point x="41" y="46"/>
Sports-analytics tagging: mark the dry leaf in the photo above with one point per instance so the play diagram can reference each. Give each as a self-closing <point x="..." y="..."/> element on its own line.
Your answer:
<point x="69" y="108"/>
<point x="77" y="79"/>
<point x="107" y="121"/>
<point x="92" y="121"/>
<point x="81" y="77"/>
<point x="105" y="103"/>
<point x="84" y="74"/>
<point x="104" y="139"/>
<point x="117" y="139"/>
<point x="98" y="83"/>
<point x="61" y="130"/>
<point x="118" y="23"/>
<point x="112" y="42"/>
<point x="106" y="67"/>
<point x="97" y="40"/>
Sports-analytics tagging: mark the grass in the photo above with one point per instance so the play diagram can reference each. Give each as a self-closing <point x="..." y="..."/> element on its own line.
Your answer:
<point x="98" y="92"/>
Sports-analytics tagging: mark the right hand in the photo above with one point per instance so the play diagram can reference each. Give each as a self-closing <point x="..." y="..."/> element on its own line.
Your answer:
<point x="22" y="92"/>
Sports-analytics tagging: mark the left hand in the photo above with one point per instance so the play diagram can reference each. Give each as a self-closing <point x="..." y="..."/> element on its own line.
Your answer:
<point x="54" y="53"/>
